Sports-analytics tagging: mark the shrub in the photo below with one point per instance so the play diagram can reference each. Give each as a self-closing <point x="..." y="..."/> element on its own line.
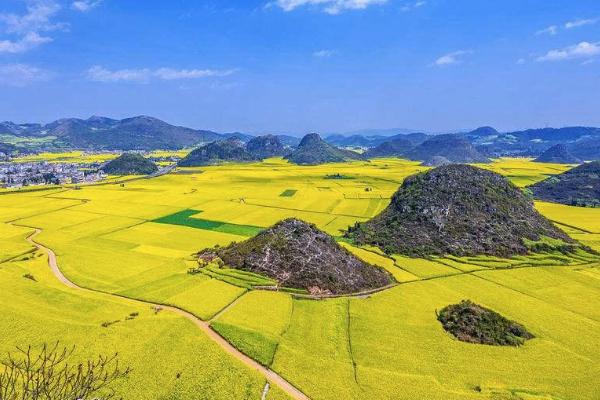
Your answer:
<point x="48" y="375"/>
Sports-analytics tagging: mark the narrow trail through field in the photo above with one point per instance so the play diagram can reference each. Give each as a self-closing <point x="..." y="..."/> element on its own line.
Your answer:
<point x="204" y="326"/>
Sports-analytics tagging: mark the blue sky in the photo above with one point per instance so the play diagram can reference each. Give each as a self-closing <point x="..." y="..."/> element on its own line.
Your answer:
<point x="304" y="65"/>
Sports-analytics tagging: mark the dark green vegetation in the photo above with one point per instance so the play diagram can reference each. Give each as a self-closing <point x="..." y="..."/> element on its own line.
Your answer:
<point x="455" y="148"/>
<point x="183" y="218"/>
<point x="130" y="164"/>
<point x="252" y="343"/>
<point x="558" y="154"/>
<point x="392" y="148"/>
<point x="313" y="150"/>
<point x="459" y="210"/>
<point x="472" y="323"/>
<point x="299" y="255"/>
<point x="579" y="186"/>
<point x="265" y="147"/>
<point x="230" y="150"/>
<point x="288" y="193"/>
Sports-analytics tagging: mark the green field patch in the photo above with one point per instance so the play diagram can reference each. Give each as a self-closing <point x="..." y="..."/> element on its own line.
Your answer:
<point x="254" y="344"/>
<point x="288" y="193"/>
<point x="184" y="218"/>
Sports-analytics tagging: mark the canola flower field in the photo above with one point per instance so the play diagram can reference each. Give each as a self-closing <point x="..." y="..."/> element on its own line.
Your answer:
<point x="136" y="241"/>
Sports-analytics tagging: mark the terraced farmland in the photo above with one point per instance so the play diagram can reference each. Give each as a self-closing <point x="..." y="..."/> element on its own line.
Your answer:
<point x="137" y="240"/>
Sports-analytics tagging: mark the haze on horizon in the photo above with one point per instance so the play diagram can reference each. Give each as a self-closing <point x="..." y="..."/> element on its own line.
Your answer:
<point x="304" y="65"/>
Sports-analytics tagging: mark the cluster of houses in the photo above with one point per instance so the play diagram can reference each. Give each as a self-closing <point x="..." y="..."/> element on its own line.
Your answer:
<point x="16" y="175"/>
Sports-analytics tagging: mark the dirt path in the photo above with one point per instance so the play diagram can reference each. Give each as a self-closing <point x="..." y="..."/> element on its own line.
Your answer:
<point x="271" y="376"/>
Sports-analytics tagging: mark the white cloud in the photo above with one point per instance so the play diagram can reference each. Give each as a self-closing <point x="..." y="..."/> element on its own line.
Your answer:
<point x="173" y="74"/>
<point x="38" y="18"/>
<point x="26" y="29"/>
<point x="521" y="61"/>
<point x="452" y="58"/>
<point x="23" y="44"/>
<point x="323" y="53"/>
<point x="329" y="6"/>
<point x="20" y="75"/>
<point x="101" y="74"/>
<point x="144" y="75"/>
<point x="85" y="5"/>
<point x="583" y="50"/>
<point x="551" y="30"/>
<point x="580" y="22"/>
<point x="411" y="6"/>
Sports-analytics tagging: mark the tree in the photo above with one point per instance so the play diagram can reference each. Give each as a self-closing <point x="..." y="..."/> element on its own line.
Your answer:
<point x="48" y="375"/>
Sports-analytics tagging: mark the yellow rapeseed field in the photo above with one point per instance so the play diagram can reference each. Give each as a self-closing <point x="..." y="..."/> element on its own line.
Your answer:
<point x="138" y="239"/>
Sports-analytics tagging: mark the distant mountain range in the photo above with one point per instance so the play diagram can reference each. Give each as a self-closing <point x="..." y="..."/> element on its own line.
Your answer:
<point x="582" y="142"/>
<point x="148" y="133"/>
<point x="100" y="133"/>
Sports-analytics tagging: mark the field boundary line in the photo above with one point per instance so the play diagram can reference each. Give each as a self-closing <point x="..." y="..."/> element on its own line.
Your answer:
<point x="574" y="227"/>
<point x="227" y="307"/>
<point x="204" y="326"/>
<point x="349" y="338"/>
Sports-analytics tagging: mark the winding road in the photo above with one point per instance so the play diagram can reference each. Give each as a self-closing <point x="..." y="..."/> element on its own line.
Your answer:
<point x="271" y="376"/>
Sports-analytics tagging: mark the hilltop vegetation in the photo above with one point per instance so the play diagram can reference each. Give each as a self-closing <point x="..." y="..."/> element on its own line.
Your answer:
<point x="579" y="186"/>
<point x="230" y="150"/>
<point x="266" y="146"/>
<point x="459" y="210"/>
<point x="313" y="150"/>
<point x="455" y="148"/>
<point x="298" y="255"/>
<point x="130" y="164"/>
<point x="472" y="323"/>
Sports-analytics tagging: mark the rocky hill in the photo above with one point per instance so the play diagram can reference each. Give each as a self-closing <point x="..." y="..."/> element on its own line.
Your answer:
<point x="266" y="146"/>
<point x="578" y="186"/>
<point x="298" y="255"/>
<point x="558" y="154"/>
<point x="230" y="150"/>
<point x="455" y="148"/>
<point x="459" y="210"/>
<point x="392" y="148"/>
<point x="313" y="150"/>
<point x="130" y="164"/>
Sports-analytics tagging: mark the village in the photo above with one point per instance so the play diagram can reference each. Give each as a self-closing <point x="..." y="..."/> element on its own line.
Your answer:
<point x="17" y="175"/>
